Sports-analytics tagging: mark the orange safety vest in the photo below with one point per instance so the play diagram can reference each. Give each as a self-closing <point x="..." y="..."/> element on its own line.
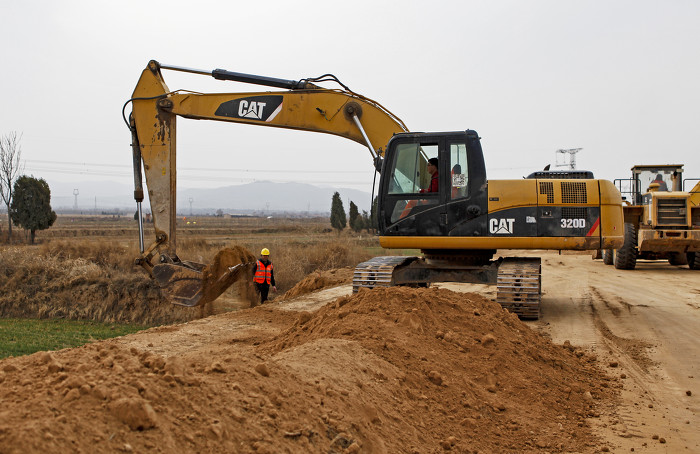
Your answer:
<point x="263" y="273"/>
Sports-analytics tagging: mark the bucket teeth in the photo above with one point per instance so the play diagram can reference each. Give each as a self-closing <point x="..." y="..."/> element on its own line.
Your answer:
<point x="180" y="284"/>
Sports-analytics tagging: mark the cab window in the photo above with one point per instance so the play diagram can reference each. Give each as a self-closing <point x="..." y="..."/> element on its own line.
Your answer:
<point x="458" y="173"/>
<point x="662" y="177"/>
<point x="409" y="173"/>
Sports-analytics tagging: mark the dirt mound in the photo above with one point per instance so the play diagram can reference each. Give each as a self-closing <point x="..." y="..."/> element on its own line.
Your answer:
<point x="319" y="280"/>
<point x="231" y="266"/>
<point x="456" y="366"/>
<point x="382" y="371"/>
<point x="226" y="259"/>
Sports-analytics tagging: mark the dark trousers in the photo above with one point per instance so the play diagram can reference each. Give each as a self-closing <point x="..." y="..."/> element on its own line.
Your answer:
<point x="263" y="289"/>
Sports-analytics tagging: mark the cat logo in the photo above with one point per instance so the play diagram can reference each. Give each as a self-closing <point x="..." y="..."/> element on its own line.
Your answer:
<point x="501" y="226"/>
<point x="263" y="108"/>
<point x="252" y="109"/>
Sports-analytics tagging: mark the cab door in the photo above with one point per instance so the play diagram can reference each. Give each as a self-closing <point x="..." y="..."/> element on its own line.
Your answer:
<point x="466" y="190"/>
<point x="407" y="207"/>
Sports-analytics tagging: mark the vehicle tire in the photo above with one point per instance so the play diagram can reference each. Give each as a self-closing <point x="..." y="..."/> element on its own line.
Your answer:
<point x="693" y="260"/>
<point x="626" y="256"/>
<point x="677" y="258"/>
<point x="608" y="256"/>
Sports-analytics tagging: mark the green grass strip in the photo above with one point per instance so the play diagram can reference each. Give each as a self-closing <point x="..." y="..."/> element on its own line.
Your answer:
<point x="26" y="336"/>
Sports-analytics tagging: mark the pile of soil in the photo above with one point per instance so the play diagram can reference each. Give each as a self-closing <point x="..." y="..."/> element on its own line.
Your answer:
<point x="382" y="371"/>
<point x="318" y="281"/>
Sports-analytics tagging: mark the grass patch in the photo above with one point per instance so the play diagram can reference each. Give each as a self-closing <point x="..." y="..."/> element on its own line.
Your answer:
<point x="24" y="336"/>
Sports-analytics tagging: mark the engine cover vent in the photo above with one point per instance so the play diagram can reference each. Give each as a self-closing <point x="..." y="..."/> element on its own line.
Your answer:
<point x="573" y="192"/>
<point x="547" y="187"/>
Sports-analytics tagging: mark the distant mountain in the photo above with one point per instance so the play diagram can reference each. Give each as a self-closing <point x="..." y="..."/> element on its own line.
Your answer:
<point x="264" y="195"/>
<point x="257" y="196"/>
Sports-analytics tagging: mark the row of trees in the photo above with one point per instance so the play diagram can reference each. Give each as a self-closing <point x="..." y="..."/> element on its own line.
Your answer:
<point x="28" y="199"/>
<point x="357" y="221"/>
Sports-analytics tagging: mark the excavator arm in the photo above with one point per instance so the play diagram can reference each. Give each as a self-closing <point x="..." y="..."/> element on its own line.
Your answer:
<point x="303" y="106"/>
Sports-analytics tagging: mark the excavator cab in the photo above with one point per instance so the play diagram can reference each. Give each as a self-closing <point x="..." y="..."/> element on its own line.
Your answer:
<point x="407" y="207"/>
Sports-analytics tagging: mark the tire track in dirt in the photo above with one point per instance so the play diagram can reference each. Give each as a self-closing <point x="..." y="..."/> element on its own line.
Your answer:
<point x="634" y="349"/>
<point x="652" y="406"/>
<point x="629" y="355"/>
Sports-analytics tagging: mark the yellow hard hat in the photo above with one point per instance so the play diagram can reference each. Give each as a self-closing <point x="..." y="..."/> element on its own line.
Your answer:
<point x="265" y="251"/>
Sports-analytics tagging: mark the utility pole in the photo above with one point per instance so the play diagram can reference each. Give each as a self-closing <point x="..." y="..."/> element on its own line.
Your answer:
<point x="572" y="157"/>
<point x="191" y="200"/>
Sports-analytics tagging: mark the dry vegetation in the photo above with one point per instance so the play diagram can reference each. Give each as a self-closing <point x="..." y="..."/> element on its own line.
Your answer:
<point x="83" y="267"/>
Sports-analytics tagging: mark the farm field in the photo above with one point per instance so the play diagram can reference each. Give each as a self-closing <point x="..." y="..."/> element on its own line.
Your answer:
<point x="611" y="366"/>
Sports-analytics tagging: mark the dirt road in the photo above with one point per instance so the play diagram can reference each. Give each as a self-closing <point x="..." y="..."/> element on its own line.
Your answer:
<point x="645" y="323"/>
<point x="648" y="322"/>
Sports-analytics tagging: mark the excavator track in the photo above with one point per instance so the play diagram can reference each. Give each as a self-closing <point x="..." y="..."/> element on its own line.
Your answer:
<point x="519" y="286"/>
<point x="377" y="272"/>
<point x="518" y="279"/>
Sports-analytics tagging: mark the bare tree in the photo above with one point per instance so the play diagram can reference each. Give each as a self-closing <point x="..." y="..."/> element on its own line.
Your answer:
<point x="10" y="168"/>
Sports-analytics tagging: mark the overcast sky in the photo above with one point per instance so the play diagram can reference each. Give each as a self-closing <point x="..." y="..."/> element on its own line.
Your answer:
<point x="620" y="79"/>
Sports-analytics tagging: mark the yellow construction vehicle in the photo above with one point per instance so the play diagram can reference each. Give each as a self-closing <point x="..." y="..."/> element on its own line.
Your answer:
<point x="662" y="220"/>
<point x="458" y="226"/>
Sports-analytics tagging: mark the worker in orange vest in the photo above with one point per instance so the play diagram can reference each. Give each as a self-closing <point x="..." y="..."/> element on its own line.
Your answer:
<point x="263" y="275"/>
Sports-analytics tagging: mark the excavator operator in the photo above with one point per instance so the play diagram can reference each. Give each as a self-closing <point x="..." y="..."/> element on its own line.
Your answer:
<point x="263" y="275"/>
<point x="433" y="171"/>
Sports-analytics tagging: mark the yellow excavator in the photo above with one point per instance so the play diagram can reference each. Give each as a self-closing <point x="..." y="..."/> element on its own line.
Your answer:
<point x="433" y="193"/>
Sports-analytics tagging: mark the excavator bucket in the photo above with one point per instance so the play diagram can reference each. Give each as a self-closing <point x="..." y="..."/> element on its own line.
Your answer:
<point x="193" y="284"/>
<point x="180" y="284"/>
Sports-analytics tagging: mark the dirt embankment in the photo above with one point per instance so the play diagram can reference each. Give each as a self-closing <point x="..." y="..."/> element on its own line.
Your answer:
<point x="387" y="370"/>
<point x="317" y="281"/>
<point x="53" y="286"/>
<point x="56" y="285"/>
<point x="83" y="283"/>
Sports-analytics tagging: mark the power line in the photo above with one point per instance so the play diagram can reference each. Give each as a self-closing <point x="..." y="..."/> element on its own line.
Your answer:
<point x="209" y="174"/>
<point x="207" y="178"/>
<point x="202" y="169"/>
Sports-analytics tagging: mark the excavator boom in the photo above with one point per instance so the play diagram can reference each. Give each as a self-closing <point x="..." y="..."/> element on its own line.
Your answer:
<point x="303" y="106"/>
